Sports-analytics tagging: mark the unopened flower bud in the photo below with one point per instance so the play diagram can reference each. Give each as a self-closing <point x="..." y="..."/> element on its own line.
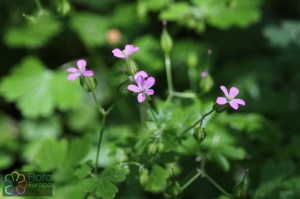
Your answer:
<point x="166" y="42"/>
<point x="144" y="176"/>
<point x="240" y="190"/>
<point x="130" y="67"/>
<point x="88" y="83"/>
<point x="206" y="82"/>
<point x="173" y="190"/>
<point x="122" y="88"/>
<point x="192" y="59"/>
<point x="199" y="134"/>
<point x="63" y="7"/>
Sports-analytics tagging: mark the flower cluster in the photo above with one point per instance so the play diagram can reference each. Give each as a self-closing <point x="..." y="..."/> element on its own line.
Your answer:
<point x="143" y="83"/>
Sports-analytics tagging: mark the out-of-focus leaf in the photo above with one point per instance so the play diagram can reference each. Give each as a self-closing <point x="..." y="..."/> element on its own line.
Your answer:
<point x="176" y="11"/>
<point x="221" y="160"/>
<point x="246" y="122"/>
<point x="277" y="180"/>
<point x="37" y="91"/>
<point x="51" y="154"/>
<point x="225" y="14"/>
<point x="155" y="4"/>
<point x="150" y="58"/>
<point x="41" y="128"/>
<point x="73" y="190"/>
<point x="157" y="179"/>
<point x="33" y="36"/>
<point x="281" y="36"/>
<point x="125" y="16"/>
<point x="91" y="28"/>
<point x="5" y="161"/>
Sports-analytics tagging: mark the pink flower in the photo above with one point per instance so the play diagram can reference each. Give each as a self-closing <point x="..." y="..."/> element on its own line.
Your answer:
<point x="143" y="86"/>
<point x="230" y="98"/>
<point x="81" y="64"/>
<point x="129" y="49"/>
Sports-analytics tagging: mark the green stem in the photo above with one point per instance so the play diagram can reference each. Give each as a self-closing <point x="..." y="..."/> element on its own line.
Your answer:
<point x="152" y="111"/>
<point x="169" y="76"/>
<point x="216" y="185"/>
<point x="99" y="141"/>
<point x="184" y="95"/>
<point x="101" y="110"/>
<point x="38" y="4"/>
<point x="199" y="121"/>
<point x="199" y="173"/>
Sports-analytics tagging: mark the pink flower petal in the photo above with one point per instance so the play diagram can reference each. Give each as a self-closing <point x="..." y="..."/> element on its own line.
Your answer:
<point x="81" y="65"/>
<point x="233" y="92"/>
<point x="224" y="89"/>
<point x="133" y="88"/>
<point x="234" y="105"/>
<point x="72" y="70"/>
<point x="88" y="73"/>
<point x="130" y="49"/>
<point x="149" y="82"/>
<point x="118" y="53"/>
<point x="239" y="101"/>
<point x="141" y="73"/>
<point x="221" y="100"/>
<point x="149" y="91"/>
<point x="140" y="82"/>
<point x="141" y="97"/>
<point x="73" y="76"/>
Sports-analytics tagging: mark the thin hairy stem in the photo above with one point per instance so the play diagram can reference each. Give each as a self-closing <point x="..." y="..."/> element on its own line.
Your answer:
<point x="196" y="123"/>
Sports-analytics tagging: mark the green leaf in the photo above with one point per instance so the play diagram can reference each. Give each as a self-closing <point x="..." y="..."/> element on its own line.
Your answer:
<point x="221" y="160"/>
<point x="83" y="171"/>
<point x="283" y="35"/>
<point x="51" y="154"/>
<point x="5" y="161"/>
<point x="155" y="4"/>
<point x="176" y="11"/>
<point x="157" y="179"/>
<point x="106" y="189"/>
<point x="91" y="28"/>
<point x="89" y="184"/>
<point x="78" y="148"/>
<point x="37" y="91"/>
<point x="41" y="128"/>
<point x="233" y="152"/>
<point x="225" y="14"/>
<point x="149" y="56"/>
<point x="8" y="133"/>
<point x="32" y="36"/>
<point x="115" y="174"/>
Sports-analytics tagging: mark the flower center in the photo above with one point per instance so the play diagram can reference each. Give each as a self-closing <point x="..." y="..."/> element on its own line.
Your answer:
<point x="124" y="52"/>
<point x="230" y="97"/>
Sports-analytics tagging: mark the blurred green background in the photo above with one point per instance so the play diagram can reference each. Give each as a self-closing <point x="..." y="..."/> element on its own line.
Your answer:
<point x="49" y="124"/>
